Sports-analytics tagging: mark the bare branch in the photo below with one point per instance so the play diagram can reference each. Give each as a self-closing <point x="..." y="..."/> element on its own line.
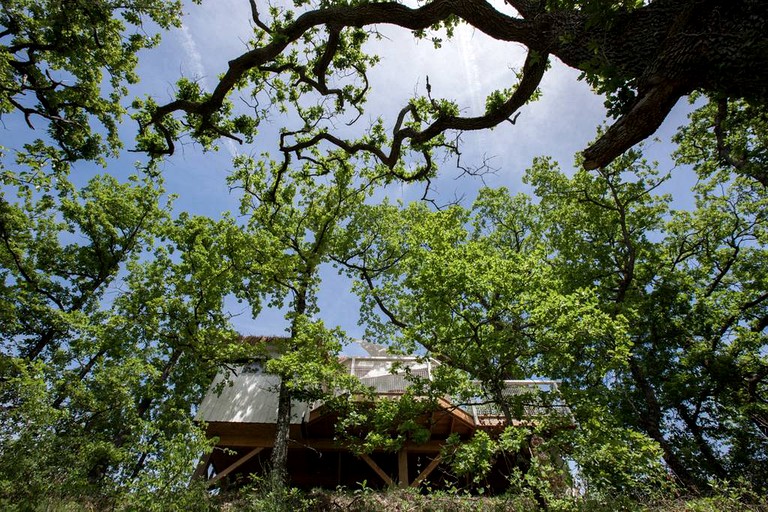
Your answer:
<point x="257" y="19"/>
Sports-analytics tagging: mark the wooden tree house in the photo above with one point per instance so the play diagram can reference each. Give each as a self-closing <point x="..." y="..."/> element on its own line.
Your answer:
<point x="242" y="416"/>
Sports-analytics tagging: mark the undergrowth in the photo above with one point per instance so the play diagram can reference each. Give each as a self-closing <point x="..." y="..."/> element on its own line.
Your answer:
<point x="262" y="497"/>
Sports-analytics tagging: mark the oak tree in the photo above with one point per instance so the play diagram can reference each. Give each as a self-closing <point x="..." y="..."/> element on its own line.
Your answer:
<point x="108" y="338"/>
<point x="644" y="56"/>
<point x="111" y="319"/>
<point x="294" y="222"/>
<point x="653" y="318"/>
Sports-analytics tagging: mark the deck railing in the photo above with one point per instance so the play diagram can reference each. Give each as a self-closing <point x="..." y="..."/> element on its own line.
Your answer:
<point x="391" y="376"/>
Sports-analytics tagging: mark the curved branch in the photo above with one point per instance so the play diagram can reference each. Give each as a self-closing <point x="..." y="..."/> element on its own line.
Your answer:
<point x="533" y="71"/>
<point x="257" y="19"/>
<point x="663" y="50"/>
<point x="478" y="13"/>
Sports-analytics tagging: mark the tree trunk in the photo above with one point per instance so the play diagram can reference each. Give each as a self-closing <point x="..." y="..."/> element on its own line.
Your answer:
<point x="279" y="472"/>
<point x="650" y="422"/>
<point x="279" y="475"/>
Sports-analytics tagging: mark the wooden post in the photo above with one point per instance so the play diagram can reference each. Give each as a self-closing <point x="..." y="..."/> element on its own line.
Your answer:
<point x="338" y="469"/>
<point x="402" y="468"/>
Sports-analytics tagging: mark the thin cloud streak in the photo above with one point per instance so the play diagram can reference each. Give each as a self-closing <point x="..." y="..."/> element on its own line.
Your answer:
<point x="193" y="55"/>
<point x="195" y="61"/>
<point x="467" y="51"/>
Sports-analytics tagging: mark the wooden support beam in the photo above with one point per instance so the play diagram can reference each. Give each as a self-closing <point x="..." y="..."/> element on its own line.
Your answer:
<point x="202" y="467"/>
<point x="402" y="468"/>
<point x="377" y="469"/>
<point x="239" y="462"/>
<point x="429" y="447"/>
<point x="457" y="412"/>
<point x="427" y="471"/>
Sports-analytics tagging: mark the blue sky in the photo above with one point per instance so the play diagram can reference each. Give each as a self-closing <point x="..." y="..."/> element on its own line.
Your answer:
<point x="466" y="69"/>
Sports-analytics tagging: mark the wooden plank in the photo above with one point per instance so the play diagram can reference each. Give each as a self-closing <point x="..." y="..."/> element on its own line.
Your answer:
<point x="427" y="471"/>
<point x="377" y="469"/>
<point x="402" y="468"/>
<point x="457" y="412"/>
<point x="202" y="467"/>
<point x="239" y="462"/>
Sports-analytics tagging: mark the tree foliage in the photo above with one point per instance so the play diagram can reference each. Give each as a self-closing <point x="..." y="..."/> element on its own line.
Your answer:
<point x="69" y="64"/>
<point x="108" y="339"/>
<point x="653" y="318"/>
<point x="295" y="219"/>
<point x="682" y="295"/>
<point x="112" y="317"/>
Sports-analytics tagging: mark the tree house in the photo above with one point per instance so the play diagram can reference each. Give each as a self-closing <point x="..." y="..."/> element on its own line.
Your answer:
<point x="242" y="414"/>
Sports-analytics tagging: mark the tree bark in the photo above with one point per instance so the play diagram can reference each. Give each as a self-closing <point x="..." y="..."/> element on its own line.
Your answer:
<point x="279" y="459"/>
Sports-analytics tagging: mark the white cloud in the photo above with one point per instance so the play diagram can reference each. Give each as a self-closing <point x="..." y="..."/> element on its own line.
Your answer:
<point x="468" y="55"/>
<point x="194" y="58"/>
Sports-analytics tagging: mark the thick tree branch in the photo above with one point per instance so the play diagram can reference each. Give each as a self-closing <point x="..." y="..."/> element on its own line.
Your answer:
<point x="654" y="54"/>
<point x="643" y="119"/>
<point x="480" y="14"/>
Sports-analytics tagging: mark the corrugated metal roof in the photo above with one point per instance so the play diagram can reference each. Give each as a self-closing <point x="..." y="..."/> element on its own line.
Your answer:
<point x="251" y="398"/>
<point x="252" y="395"/>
